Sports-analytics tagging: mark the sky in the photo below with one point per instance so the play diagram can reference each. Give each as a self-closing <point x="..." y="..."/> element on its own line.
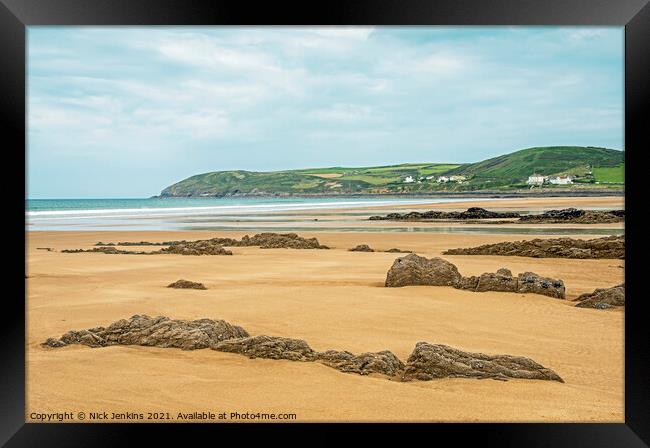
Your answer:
<point x="126" y="111"/>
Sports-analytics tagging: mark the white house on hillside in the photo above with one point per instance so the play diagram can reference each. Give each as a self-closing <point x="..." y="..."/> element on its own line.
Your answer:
<point x="561" y="180"/>
<point x="536" y="179"/>
<point x="409" y="179"/>
<point x="443" y="179"/>
<point x="457" y="178"/>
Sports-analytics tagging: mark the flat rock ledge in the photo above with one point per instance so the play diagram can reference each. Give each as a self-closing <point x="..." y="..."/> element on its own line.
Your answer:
<point x="186" y="284"/>
<point x="606" y="247"/>
<point x="427" y="362"/>
<point x="416" y="270"/>
<point x="603" y="298"/>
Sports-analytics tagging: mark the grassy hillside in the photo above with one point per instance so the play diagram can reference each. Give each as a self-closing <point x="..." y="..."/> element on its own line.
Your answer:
<point x="591" y="165"/>
<point x="517" y="166"/>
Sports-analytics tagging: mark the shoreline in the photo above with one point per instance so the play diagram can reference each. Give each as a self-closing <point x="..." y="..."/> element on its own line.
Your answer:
<point x="615" y="191"/>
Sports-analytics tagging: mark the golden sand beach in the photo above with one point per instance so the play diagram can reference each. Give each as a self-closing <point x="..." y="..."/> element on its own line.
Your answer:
<point x="333" y="299"/>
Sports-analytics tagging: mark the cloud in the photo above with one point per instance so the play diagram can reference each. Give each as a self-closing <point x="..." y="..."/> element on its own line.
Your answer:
<point x="191" y="100"/>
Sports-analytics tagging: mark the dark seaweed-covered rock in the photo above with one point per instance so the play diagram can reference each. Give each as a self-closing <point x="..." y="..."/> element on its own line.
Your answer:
<point x="416" y="270"/>
<point x="529" y="282"/>
<point x="271" y="347"/>
<point x="606" y="247"/>
<point x="575" y="216"/>
<point x="362" y="248"/>
<point x="384" y="362"/>
<point x="470" y="213"/>
<point x="156" y="332"/>
<point x="431" y="361"/>
<point x="186" y="284"/>
<point x="603" y="298"/>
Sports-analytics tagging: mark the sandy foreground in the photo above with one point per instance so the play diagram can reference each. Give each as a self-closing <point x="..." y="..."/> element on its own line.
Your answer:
<point x="334" y="299"/>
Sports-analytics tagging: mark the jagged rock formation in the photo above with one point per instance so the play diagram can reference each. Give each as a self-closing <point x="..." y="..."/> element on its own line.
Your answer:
<point x="155" y="332"/>
<point x="605" y="247"/>
<point x="395" y="250"/>
<point x="268" y="347"/>
<point x="186" y="284"/>
<point x="425" y="363"/>
<point x="603" y="298"/>
<point x="282" y="240"/>
<point x="470" y="213"/>
<point x="201" y="247"/>
<point x="575" y="216"/>
<point x="501" y="281"/>
<point x="431" y="361"/>
<point x="362" y="248"/>
<point x="529" y="282"/>
<point x="48" y="249"/>
<point x="416" y="270"/>
<point x="267" y="240"/>
<point x="383" y="362"/>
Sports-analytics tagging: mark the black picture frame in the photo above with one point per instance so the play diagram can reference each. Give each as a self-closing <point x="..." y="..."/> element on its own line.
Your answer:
<point x="634" y="15"/>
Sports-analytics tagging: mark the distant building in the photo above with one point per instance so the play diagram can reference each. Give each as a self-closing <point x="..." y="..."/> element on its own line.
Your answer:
<point x="443" y="179"/>
<point x="457" y="178"/>
<point x="536" y="179"/>
<point x="561" y="180"/>
<point x="409" y="179"/>
<point x="429" y="177"/>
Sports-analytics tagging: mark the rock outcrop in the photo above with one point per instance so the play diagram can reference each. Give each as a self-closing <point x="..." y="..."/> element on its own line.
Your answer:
<point x="281" y="241"/>
<point x="529" y="282"/>
<point x="271" y="347"/>
<point x="111" y="250"/>
<point x="384" y="362"/>
<point x="416" y="270"/>
<point x="502" y="280"/>
<point x="201" y="247"/>
<point x="603" y="298"/>
<point x="155" y="332"/>
<point x="362" y="248"/>
<point x="432" y="361"/>
<point x="470" y="213"/>
<point x="267" y="240"/>
<point x="395" y="250"/>
<point x="605" y="247"/>
<point x="186" y="284"/>
<point x="427" y="361"/>
<point x="575" y="216"/>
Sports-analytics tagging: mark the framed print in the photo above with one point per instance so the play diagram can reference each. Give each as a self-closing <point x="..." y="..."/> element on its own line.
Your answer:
<point x="415" y="214"/>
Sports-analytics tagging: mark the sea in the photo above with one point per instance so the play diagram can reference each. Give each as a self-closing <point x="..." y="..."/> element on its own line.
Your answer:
<point x="187" y="213"/>
<point x="245" y="214"/>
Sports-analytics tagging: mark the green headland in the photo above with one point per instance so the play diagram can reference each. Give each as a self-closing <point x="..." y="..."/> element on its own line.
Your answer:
<point x="572" y="167"/>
